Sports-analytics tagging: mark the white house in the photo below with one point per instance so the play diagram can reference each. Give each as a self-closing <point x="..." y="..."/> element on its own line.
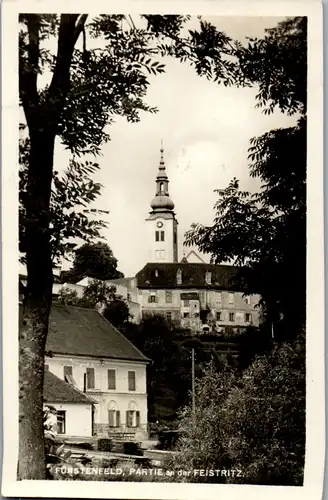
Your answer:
<point x="74" y="408"/>
<point x="87" y="352"/>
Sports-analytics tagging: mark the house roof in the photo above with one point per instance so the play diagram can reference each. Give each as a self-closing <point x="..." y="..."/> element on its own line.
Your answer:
<point x="85" y="332"/>
<point x="164" y="275"/>
<point x="56" y="390"/>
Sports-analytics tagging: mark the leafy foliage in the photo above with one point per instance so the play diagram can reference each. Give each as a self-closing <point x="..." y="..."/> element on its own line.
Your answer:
<point x="255" y="424"/>
<point x="92" y="260"/>
<point x="70" y="218"/>
<point x="277" y="63"/>
<point x="265" y="233"/>
<point x="113" y="79"/>
<point x="117" y="312"/>
<point x="67" y="297"/>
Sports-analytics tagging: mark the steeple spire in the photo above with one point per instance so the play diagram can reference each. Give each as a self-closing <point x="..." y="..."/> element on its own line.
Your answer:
<point x="162" y="200"/>
<point x="161" y="169"/>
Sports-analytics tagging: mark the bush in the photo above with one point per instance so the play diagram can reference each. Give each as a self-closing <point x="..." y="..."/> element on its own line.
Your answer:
<point x="104" y="444"/>
<point x="131" y="448"/>
<point x="255" y="423"/>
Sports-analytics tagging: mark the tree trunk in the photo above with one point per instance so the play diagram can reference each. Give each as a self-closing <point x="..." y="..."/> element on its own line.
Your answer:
<point x="37" y="304"/>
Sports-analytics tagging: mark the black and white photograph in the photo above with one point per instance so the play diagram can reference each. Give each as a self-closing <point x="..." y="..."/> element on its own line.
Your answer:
<point x="163" y="320"/>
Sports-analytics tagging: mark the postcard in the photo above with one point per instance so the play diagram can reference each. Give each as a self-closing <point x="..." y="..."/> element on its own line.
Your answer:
<point x="162" y="235"/>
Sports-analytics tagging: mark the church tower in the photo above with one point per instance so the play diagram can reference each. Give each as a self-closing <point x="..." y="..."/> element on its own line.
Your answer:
<point x="162" y="224"/>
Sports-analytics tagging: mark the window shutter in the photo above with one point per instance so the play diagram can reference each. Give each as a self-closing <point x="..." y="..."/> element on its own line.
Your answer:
<point x="111" y="414"/>
<point x="137" y="418"/>
<point x="132" y="381"/>
<point x="118" y="418"/>
<point x="127" y="418"/>
<point x="111" y="379"/>
<point x="90" y="378"/>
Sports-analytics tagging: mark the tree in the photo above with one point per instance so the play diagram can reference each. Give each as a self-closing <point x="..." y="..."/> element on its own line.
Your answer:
<point x="93" y="260"/>
<point x="169" y="374"/>
<point x="117" y="312"/>
<point x="265" y="233"/>
<point x="72" y="193"/>
<point x="87" y="88"/>
<point x="67" y="297"/>
<point x="97" y="295"/>
<point x="255" y="424"/>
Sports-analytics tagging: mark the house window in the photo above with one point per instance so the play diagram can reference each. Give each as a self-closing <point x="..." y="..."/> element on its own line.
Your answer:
<point x="248" y="318"/>
<point x="111" y="375"/>
<point x="152" y="298"/>
<point x="247" y="299"/>
<point x="90" y="378"/>
<point x="157" y="254"/>
<point x="156" y="273"/>
<point x="156" y="235"/>
<point x="232" y="317"/>
<point x="133" y="418"/>
<point x="168" y="316"/>
<point x="208" y="278"/>
<point x="114" y="419"/>
<point x="186" y="315"/>
<point x="61" y="422"/>
<point x="219" y="298"/>
<point x="162" y="254"/>
<point x="179" y="277"/>
<point x="231" y="298"/>
<point x="162" y="235"/>
<point x="168" y="297"/>
<point x="186" y="302"/>
<point x="68" y="372"/>
<point x="219" y="316"/>
<point x="128" y="296"/>
<point x="132" y="381"/>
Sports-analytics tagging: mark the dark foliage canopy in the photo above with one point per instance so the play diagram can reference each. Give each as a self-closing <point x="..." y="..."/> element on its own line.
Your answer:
<point x="266" y="231"/>
<point x="92" y="260"/>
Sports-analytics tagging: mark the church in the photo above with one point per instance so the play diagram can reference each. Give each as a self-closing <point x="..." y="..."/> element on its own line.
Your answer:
<point x="190" y="293"/>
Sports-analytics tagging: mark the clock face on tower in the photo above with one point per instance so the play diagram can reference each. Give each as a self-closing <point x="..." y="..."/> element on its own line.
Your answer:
<point x="159" y="224"/>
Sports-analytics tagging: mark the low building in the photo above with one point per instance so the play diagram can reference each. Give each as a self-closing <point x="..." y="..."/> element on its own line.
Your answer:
<point x="75" y="410"/>
<point x="86" y="351"/>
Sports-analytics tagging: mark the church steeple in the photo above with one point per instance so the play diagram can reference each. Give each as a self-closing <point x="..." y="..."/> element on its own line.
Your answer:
<point x="161" y="222"/>
<point x="162" y="200"/>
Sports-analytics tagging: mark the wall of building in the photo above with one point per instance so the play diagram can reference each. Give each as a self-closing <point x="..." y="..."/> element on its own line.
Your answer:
<point x="225" y="308"/>
<point x="78" y="418"/>
<point x="121" y="396"/>
<point x="160" y="251"/>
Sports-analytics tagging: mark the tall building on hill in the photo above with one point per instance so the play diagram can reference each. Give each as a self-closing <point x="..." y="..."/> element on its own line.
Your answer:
<point x="162" y="225"/>
<point x="195" y="296"/>
<point x="190" y="293"/>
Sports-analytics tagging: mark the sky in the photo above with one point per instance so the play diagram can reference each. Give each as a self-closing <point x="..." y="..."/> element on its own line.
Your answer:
<point x="205" y="130"/>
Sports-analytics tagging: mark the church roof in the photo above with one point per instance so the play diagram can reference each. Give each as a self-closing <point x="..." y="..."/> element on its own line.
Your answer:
<point x="162" y="202"/>
<point x="193" y="275"/>
<point x="56" y="390"/>
<point x="85" y="332"/>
